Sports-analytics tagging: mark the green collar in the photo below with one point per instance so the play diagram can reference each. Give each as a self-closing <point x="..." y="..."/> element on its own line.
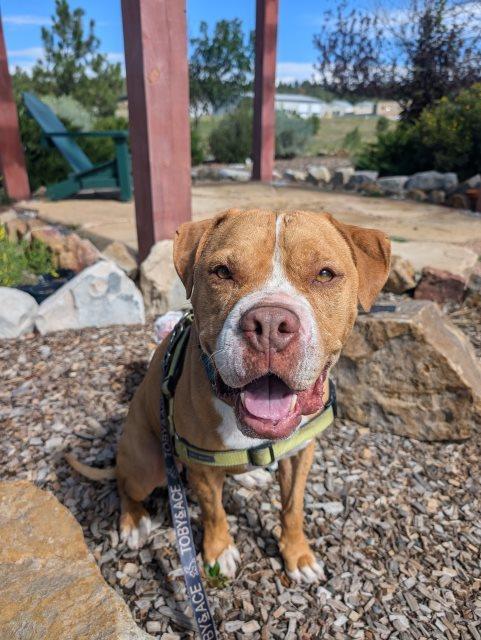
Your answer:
<point x="260" y="456"/>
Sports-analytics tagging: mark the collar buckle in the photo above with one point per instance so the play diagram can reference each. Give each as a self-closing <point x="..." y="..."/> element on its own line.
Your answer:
<point x="251" y="455"/>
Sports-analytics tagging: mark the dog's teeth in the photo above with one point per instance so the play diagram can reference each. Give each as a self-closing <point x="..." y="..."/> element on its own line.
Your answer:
<point x="243" y="397"/>
<point x="293" y="402"/>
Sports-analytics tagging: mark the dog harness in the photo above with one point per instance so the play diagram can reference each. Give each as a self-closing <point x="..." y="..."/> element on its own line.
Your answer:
<point x="260" y="456"/>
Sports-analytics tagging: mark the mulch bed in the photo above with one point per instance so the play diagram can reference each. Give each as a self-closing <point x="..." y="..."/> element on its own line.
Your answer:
<point x="397" y="522"/>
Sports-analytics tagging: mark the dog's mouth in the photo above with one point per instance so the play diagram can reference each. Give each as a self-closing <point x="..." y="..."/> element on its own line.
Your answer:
<point x="268" y="408"/>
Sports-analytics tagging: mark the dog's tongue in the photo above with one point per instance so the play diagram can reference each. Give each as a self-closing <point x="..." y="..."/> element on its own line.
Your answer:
<point x="268" y="398"/>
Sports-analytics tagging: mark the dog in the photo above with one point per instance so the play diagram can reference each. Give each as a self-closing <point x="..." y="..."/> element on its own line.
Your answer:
<point x="275" y="296"/>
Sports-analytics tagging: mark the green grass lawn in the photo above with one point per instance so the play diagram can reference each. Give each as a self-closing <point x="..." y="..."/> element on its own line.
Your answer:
<point x="328" y="140"/>
<point x="331" y="134"/>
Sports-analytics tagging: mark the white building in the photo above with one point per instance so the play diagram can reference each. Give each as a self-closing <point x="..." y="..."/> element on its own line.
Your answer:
<point x="304" y="106"/>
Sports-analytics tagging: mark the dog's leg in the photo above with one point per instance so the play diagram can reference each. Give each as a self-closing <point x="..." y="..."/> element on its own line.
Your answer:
<point x="300" y="562"/>
<point x="140" y="469"/>
<point x="218" y="546"/>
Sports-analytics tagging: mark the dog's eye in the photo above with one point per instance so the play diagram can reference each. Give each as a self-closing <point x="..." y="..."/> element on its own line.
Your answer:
<point x="324" y="275"/>
<point x="223" y="272"/>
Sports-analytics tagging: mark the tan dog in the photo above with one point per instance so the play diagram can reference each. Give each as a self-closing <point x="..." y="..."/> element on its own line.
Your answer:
<point x="275" y="298"/>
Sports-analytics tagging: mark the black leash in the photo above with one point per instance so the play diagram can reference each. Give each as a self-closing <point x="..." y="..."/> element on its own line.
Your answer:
<point x="179" y="510"/>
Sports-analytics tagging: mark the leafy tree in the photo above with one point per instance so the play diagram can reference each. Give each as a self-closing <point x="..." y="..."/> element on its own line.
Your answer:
<point x="432" y="49"/>
<point x="72" y="64"/>
<point x="220" y="66"/>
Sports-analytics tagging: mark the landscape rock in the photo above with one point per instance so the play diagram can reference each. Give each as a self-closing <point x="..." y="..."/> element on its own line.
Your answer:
<point x="437" y="196"/>
<point x="123" y="257"/>
<point x="17" y="312"/>
<point x="440" y="255"/>
<point x="51" y="586"/>
<point x="295" y="175"/>
<point x="70" y="251"/>
<point x="459" y="201"/>
<point x="412" y="373"/>
<point x="342" y="175"/>
<point x="161" y="286"/>
<point x="393" y="185"/>
<point x="402" y="276"/>
<point x="205" y="172"/>
<point x="474" y="182"/>
<point x="16" y="228"/>
<point x="430" y="180"/>
<point x="418" y="195"/>
<point x="237" y="174"/>
<point x="318" y="174"/>
<point x="99" y="296"/>
<point x="7" y="216"/>
<point x="441" y="286"/>
<point x="361" y="178"/>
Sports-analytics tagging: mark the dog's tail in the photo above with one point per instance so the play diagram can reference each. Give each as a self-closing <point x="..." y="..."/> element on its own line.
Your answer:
<point x="92" y="473"/>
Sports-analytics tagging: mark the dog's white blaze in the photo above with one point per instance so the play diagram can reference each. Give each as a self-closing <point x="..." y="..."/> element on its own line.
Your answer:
<point x="229" y="343"/>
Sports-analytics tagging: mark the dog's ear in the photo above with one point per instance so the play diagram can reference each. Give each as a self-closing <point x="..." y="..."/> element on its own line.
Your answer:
<point x="188" y="242"/>
<point x="371" y="251"/>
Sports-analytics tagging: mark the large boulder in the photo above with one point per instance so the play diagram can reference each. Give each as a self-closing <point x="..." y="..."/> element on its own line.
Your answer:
<point x="411" y="372"/>
<point x="237" y="173"/>
<point x="430" y="180"/>
<point x="342" y="175"/>
<point x="318" y="174"/>
<point x="17" y="312"/>
<point x="51" y="586"/>
<point x="161" y="286"/>
<point x="99" y="296"/>
<point x="393" y="185"/>
<point x="440" y="255"/>
<point x="70" y="251"/>
<point x="441" y="286"/>
<point x="360" y="179"/>
<point x="295" y="175"/>
<point x="402" y="276"/>
<point x="123" y="257"/>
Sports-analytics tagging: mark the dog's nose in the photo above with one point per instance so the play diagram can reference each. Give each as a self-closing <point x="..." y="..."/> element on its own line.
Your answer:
<point x="269" y="327"/>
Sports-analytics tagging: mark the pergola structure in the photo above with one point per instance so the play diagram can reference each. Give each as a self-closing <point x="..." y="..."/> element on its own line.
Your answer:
<point x="155" y="38"/>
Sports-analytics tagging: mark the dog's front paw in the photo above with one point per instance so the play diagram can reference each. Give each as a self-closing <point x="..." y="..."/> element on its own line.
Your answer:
<point x="301" y="563"/>
<point x="135" y="530"/>
<point x="227" y="561"/>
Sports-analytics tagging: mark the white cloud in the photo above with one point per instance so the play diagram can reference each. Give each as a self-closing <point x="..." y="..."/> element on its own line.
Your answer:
<point x="292" y="71"/>
<point x="30" y="52"/>
<point x="115" y="57"/>
<point x="26" y="19"/>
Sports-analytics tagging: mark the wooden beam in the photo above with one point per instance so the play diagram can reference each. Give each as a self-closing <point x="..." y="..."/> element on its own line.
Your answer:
<point x="155" y="38"/>
<point x="264" y="142"/>
<point x="12" y="159"/>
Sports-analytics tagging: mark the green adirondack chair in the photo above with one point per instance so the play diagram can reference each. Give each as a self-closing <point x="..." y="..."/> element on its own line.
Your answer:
<point x="85" y="175"/>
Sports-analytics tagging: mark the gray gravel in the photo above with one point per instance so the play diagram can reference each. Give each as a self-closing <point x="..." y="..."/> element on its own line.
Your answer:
<point x="397" y="522"/>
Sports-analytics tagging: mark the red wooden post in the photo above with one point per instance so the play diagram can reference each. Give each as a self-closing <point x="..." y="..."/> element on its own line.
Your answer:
<point x="12" y="159"/>
<point x="264" y="90"/>
<point x="155" y="39"/>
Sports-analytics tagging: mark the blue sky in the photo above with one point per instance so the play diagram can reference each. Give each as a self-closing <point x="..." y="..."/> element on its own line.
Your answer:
<point x="299" y="20"/>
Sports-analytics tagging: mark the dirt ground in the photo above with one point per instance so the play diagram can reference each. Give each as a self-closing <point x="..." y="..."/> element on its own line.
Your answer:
<point x="107" y="220"/>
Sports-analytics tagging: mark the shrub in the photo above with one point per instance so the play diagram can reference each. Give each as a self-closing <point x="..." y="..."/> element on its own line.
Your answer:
<point x="382" y="125"/>
<point x="292" y="134"/>
<point x="315" y="124"/>
<point x="352" y="140"/>
<point x="231" y="139"/>
<point x="446" y="137"/>
<point x="69" y="109"/>
<point x="18" y="260"/>
<point x="196" y="147"/>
